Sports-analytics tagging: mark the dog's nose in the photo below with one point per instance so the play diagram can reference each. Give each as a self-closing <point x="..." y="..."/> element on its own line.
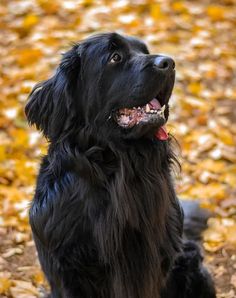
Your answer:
<point x="164" y="63"/>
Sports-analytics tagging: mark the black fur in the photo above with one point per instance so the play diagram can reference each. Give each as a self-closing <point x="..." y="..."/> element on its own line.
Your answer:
<point x="105" y="217"/>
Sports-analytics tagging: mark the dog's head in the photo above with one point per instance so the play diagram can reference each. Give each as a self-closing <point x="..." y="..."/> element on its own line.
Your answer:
<point x="109" y="83"/>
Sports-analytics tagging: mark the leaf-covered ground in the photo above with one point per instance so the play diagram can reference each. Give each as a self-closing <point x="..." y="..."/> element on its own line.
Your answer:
<point x="200" y="35"/>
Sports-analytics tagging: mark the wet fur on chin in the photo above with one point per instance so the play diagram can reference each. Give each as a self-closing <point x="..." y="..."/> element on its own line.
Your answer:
<point x="105" y="217"/>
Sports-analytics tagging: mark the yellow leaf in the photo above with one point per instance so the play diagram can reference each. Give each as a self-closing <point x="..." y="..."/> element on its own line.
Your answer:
<point x="2" y="153"/>
<point x="20" y="137"/>
<point x="179" y="6"/>
<point x="212" y="235"/>
<point x="225" y="136"/>
<point x="23" y="289"/>
<point x="212" y="190"/>
<point x="231" y="235"/>
<point x="10" y="193"/>
<point x="5" y="284"/>
<point x="156" y="11"/>
<point x="12" y="251"/>
<point x="30" y="21"/>
<point x="192" y="103"/>
<point x="229" y="178"/>
<point x="21" y="237"/>
<point x="212" y="166"/>
<point x="195" y="88"/>
<point x="28" y="56"/>
<point x="216" y="12"/>
<point x="38" y="278"/>
<point x="212" y="246"/>
<point x="49" y="6"/>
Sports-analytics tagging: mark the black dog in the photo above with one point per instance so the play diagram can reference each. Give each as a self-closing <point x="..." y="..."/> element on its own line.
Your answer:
<point x="105" y="217"/>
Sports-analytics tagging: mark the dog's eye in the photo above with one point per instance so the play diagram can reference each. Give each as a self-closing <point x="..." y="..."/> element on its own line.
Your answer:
<point x="115" y="58"/>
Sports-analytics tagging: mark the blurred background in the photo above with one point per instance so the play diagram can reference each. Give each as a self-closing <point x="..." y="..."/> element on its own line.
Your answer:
<point x="200" y="36"/>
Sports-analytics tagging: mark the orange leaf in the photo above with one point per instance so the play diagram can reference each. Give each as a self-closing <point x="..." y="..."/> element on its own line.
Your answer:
<point x="28" y="56"/>
<point x="156" y="11"/>
<point x="2" y="153"/>
<point x="225" y="136"/>
<point x="30" y="21"/>
<point x="5" y="284"/>
<point x="49" y="6"/>
<point x="195" y="88"/>
<point x="216" y="12"/>
<point x="212" y="190"/>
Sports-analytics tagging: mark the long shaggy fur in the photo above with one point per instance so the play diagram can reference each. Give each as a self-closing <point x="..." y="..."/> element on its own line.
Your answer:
<point x="105" y="217"/>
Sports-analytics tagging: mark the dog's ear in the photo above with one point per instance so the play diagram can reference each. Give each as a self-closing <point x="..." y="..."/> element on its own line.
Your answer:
<point x="50" y="105"/>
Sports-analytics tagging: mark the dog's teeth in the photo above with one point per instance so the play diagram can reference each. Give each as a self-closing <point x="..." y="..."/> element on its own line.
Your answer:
<point x="147" y="108"/>
<point x="163" y="108"/>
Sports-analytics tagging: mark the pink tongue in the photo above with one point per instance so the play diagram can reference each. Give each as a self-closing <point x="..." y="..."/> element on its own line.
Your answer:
<point x="155" y="103"/>
<point x="161" y="134"/>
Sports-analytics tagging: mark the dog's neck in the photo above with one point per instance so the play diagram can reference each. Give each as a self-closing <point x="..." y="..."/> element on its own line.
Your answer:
<point x="139" y="153"/>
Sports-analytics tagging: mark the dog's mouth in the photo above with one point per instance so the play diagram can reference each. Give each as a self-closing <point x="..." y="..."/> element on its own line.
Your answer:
<point x="150" y="113"/>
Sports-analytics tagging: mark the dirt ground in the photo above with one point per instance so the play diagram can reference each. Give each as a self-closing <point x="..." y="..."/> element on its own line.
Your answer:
<point x="23" y="266"/>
